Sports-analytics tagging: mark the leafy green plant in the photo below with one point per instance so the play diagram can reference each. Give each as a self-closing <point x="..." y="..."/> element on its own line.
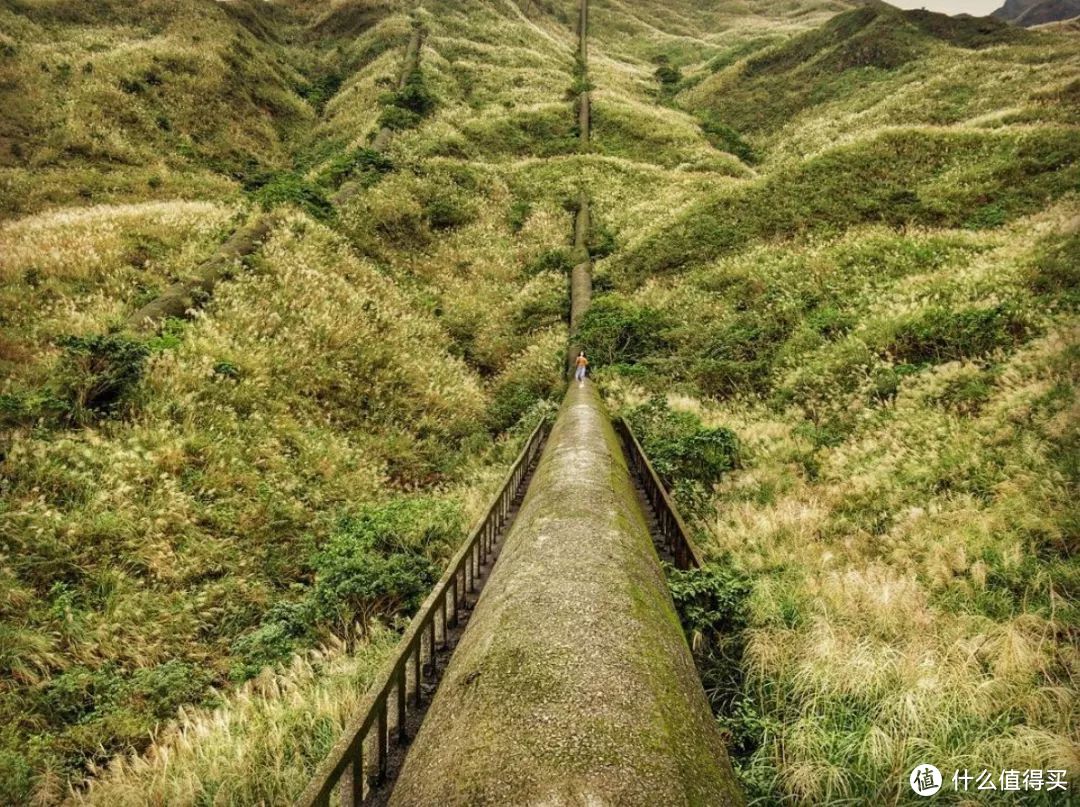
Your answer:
<point x="518" y="214"/>
<point x="601" y="240"/>
<point x="98" y="374"/>
<point x="364" y="164"/>
<point x="284" y="629"/>
<point x="615" y="331"/>
<point x="287" y="188"/>
<point x="425" y="524"/>
<point x="679" y="447"/>
<point x="321" y="89"/>
<point x="552" y="260"/>
<point x="405" y="108"/>
<point x="727" y="139"/>
<point x="355" y="584"/>
<point x="939" y="334"/>
<point x="713" y="606"/>
<point x="448" y="210"/>
<point x="1055" y="269"/>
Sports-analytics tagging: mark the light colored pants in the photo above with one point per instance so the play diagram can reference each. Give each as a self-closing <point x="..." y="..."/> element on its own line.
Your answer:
<point x="579" y="375"/>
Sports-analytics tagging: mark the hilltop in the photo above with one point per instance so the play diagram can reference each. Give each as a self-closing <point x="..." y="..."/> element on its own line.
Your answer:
<point x="1028" y="13"/>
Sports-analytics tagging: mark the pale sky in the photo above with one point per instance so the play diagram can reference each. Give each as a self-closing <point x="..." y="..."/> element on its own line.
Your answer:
<point x="976" y="8"/>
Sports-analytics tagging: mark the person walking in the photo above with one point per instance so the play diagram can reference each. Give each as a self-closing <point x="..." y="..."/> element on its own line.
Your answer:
<point x="580" y="363"/>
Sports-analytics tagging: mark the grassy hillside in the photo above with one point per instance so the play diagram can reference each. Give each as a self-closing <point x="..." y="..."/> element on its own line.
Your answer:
<point x="885" y="318"/>
<point x="849" y="236"/>
<point x="176" y="505"/>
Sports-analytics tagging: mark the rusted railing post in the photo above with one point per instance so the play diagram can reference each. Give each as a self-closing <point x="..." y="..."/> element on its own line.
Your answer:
<point x="351" y="789"/>
<point x="401" y="728"/>
<point x="383" y="740"/>
<point x="417" y="675"/>
<point x="673" y="531"/>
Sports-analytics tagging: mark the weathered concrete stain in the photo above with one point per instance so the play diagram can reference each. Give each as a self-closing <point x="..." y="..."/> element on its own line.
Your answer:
<point x="573" y="683"/>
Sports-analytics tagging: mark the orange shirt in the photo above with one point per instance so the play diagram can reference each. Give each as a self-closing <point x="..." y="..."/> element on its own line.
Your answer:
<point x="582" y="361"/>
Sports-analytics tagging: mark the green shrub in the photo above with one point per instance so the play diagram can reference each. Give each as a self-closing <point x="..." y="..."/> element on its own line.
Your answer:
<point x="24" y="407"/>
<point x="727" y="139"/>
<point x="15" y="777"/>
<point x="424" y="524"/>
<point x="614" y="331"/>
<point x="1056" y="269"/>
<point x="679" y="447"/>
<point x="284" y="628"/>
<point x="669" y="76"/>
<point x="738" y="355"/>
<point x="449" y="210"/>
<point x="98" y="374"/>
<point x="405" y="108"/>
<point x="966" y="394"/>
<point x="397" y="118"/>
<point x="367" y="165"/>
<point x="541" y="309"/>
<point x="710" y="600"/>
<point x="713" y="606"/>
<point x="159" y="691"/>
<point x="355" y="584"/>
<point x="321" y="89"/>
<point x="518" y="214"/>
<point x="552" y="260"/>
<point x="137" y="700"/>
<point x="288" y="188"/>
<point x="510" y="401"/>
<point x="830" y="321"/>
<point x="938" y="335"/>
<point x="601" y="241"/>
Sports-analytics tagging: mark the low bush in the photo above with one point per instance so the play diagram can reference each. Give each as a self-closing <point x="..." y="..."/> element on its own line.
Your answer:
<point x="679" y="447"/>
<point x="727" y="139"/>
<point x="601" y="241"/>
<point x="713" y="607"/>
<point x="552" y="260"/>
<point x="448" y="210"/>
<point x="938" y="335"/>
<point x="737" y="355"/>
<point x="321" y="89"/>
<point x="363" y="164"/>
<point x="669" y="76"/>
<point x="286" y="188"/>
<point x="355" y="584"/>
<point x="424" y="524"/>
<point x="284" y="628"/>
<point x="518" y="214"/>
<point x="98" y="374"/>
<point x="618" y="332"/>
<point x="1055" y="269"/>
<point x="405" y="108"/>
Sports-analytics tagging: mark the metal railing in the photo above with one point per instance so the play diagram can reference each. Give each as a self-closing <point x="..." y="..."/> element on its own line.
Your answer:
<point x="344" y="767"/>
<point x="672" y="528"/>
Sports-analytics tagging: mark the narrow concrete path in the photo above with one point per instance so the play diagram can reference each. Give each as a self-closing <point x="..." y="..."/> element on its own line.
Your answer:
<point x="573" y="684"/>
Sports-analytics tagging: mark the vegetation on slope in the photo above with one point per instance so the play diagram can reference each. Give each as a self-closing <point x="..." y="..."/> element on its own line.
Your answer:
<point x="184" y="511"/>
<point x="843" y="257"/>
<point x="888" y="328"/>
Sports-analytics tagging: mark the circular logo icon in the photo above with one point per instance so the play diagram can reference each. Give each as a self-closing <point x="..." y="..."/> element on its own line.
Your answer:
<point x="925" y="780"/>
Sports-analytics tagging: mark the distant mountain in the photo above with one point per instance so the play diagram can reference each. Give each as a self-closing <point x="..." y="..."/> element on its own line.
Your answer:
<point x="1037" y="12"/>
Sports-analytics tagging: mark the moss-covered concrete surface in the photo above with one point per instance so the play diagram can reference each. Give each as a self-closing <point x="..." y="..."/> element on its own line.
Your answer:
<point x="573" y="683"/>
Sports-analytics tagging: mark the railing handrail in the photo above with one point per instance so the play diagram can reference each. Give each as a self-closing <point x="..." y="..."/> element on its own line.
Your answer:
<point x="393" y="671"/>
<point x="694" y="557"/>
